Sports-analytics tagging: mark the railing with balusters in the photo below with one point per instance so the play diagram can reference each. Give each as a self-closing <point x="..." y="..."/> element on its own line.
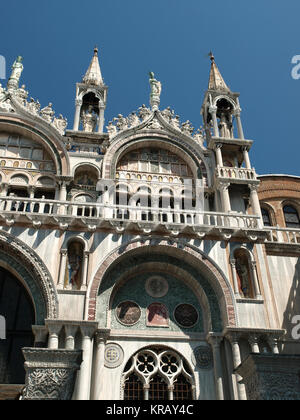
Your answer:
<point x="283" y="235"/>
<point x="236" y="173"/>
<point x="51" y="208"/>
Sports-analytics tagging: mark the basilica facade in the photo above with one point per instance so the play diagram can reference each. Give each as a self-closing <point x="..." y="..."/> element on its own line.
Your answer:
<point x="144" y="259"/>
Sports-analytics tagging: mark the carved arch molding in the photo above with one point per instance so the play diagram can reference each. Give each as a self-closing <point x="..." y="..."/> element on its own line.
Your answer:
<point x="212" y="280"/>
<point x="22" y="261"/>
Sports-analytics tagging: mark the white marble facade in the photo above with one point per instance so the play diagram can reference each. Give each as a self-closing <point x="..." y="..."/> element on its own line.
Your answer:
<point x="68" y="202"/>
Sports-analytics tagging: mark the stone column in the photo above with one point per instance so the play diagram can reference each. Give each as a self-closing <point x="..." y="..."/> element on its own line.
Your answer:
<point x="223" y="188"/>
<point x="215" y="342"/>
<point x="62" y="271"/>
<point x="213" y="111"/>
<point x="146" y="392"/>
<point x="63" y="191"/>
<point x="78" y="104"/>
<point x="101" y="119"/>
<point x="237" y="114"/>
<point x="255" y="279"/>
<point x="236" y="356"/>
<point x="246" y="157"/>
<point x="171" y="392"/>
<point x="253" y="341"/>
<point x="31" y="191"/>
<point x="219" y="154"/>
<point x="4" y="190"/>
<point x="98" y="367"/>
<point x="273" y="343"/>
<point x="70" y="331"/>
<point x="255" y="202"/>
<point x="83" y="385"/>
<point x="235" y="280"/>
<point x="85" y="270"/>
<point x="53" y="340"/>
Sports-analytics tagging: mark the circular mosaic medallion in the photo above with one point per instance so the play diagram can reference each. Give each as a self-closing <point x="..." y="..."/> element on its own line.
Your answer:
<point x="157" y="287"/>
<point x="128" y="313"/>
<point x="113" y="355"/>
<point x="186" y="315"/>
<point x="202" y="357"/>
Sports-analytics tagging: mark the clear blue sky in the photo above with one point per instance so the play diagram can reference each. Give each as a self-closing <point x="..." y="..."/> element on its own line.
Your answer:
<point x="253" y="42"/>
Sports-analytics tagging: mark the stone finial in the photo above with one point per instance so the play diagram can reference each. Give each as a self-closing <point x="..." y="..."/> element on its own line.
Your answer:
<point x="216" y="81"/>
<point x="93" y="75"/>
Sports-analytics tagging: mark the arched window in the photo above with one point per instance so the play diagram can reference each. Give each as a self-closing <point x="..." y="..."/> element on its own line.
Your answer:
<point x="158" y="389"/>
<point x="133" y="389"/>
<point x="182" y="389"/>
<point x="17" y="309"/>
<point x="157" y="374"/>
<point x="291" y="217"/>
<point x="266" y="217"/>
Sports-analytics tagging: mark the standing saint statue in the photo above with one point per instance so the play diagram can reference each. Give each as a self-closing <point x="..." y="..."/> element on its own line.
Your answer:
<point x="17" y="68"/>
<point x="156" y="89"/>
<point x="89" y="120"/>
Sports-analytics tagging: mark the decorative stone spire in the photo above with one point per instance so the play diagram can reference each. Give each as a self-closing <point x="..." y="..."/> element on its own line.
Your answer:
<point x="93" y="75"/>
<point x="216" y="81"/>
<point x="91" y="98"/>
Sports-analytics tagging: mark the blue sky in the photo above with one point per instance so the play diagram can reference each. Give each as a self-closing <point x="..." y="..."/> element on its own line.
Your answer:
<point x="253" y="43"/>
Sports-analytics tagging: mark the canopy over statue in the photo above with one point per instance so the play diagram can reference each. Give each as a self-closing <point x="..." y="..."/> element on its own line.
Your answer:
<point x="156" y="89"/>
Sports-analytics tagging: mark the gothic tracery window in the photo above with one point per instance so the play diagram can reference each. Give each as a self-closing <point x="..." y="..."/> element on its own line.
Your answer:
<point x="157" y="374"/>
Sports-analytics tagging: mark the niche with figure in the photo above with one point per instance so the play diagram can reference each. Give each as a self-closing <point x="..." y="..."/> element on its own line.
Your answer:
<point x="225" y="113"/>
<point x="73" y="276"/>
<point x="244" y="275"/>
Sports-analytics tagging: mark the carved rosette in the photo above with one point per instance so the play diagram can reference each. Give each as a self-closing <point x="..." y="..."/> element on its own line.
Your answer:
<point x="50" y="374"/>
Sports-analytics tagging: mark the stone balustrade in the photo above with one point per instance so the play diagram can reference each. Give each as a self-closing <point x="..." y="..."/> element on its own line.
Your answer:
<point x="239" y="174"/>
<point x="283" y="235"/>
<point x="40" y="210"/>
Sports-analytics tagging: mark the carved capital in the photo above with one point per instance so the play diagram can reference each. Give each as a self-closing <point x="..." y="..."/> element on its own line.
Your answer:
<point x="233" y="263"/>
<point x="215" y="340"/>
<point x="253" y="187"/>
<point x="213" y="109"/>
<point x="223" y="186"/>
<point x="50" y="374"/>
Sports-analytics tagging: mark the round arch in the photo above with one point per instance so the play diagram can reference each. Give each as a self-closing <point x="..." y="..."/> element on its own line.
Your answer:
<point x="227" y="98"/>
<point x="52" y="143"/>
<point x="189" y="154"/>
<point x="19" y="259"/>
<point x="213" y="281"/>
